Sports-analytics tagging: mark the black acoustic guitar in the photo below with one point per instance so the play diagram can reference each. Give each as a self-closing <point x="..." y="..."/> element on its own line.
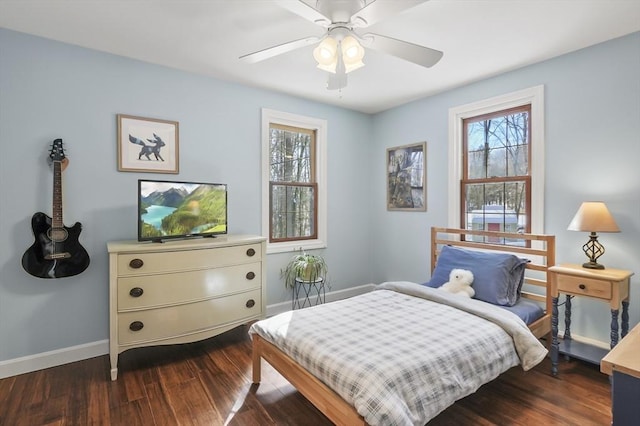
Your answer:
<point x="56" y="252"/>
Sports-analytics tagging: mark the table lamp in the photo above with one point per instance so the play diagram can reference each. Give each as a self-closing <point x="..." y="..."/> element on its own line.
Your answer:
<point x="593" y="216"/>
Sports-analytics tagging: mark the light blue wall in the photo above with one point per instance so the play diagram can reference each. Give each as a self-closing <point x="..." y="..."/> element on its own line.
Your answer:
<point x="52" y="90"/>
<point x="592" y="118"/>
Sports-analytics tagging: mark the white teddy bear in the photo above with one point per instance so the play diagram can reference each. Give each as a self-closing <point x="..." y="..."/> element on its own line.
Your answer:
<point x="460" y="281"/>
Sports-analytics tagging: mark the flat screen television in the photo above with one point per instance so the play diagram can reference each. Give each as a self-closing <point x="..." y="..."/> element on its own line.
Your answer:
<point x="169" y="209"/>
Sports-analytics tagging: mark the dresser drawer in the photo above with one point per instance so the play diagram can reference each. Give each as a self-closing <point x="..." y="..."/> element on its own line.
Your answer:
<point x="164" y="323"/>
<point x="584" y="286"/>
<point x="145" y="291"/>
<point x="150" y="263"/>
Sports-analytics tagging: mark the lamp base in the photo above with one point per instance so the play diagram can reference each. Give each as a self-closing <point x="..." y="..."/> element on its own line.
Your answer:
<point x="592" y="265"/>
<point x="593" y="249"/>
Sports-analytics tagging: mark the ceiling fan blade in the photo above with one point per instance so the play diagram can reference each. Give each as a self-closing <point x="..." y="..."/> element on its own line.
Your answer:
<point x="379" y="9"/>
<point x="270" y="52"/>
<point x="305" y="11"/>
<point x="411" y="52"/>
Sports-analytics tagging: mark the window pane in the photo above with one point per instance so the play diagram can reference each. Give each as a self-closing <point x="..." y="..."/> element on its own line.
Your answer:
<point x="518" y="164"/>
<point x="498" y="146"/>
<point x="496" y="206"/>
<point x="293" y="211"/>
<point x="290" y="155"/>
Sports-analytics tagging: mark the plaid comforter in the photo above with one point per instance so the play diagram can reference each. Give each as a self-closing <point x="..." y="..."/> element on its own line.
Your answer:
<point x="403" y="353"/>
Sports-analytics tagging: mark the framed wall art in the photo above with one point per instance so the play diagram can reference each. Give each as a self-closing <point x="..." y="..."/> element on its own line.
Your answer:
<point x="147" y="145"/>
<point x="407" y="177"/>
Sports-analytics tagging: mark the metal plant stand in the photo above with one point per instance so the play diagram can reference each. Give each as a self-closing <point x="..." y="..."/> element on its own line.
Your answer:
<point x="307" y="293"/>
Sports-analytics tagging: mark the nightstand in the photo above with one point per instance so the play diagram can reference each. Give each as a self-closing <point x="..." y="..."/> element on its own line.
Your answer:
<point x="607" y="285"/>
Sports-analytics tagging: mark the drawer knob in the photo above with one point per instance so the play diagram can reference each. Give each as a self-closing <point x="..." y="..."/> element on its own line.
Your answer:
<point x="250" y="303"/>
<point x="136" y="263"/>
<point x="251" y="275"/>
<point x="251" y="252"/>
<point x="136" y="326"/>
<point x="582" y="286"/>
<point x="136" y="292"/>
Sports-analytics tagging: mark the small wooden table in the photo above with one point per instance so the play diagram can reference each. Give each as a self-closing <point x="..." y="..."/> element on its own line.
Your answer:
<point x="608" y="285"/>
<point x="622" y="363"/>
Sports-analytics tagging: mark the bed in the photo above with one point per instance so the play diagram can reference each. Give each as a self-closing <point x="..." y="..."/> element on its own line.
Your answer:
<point x="404" y="352"/>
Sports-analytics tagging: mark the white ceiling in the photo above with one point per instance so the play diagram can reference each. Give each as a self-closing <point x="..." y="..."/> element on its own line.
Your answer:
<point x="479" y="38"/>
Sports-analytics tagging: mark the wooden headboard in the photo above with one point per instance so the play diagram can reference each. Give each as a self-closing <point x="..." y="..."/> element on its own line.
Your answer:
<point x="540" y="249"/>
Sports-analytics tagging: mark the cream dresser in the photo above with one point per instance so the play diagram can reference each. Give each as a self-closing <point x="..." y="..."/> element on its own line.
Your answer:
<point x="182" y="291"/>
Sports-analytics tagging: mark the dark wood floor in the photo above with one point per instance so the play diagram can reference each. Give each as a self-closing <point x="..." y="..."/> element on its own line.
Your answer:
<point x="209" y="383"/>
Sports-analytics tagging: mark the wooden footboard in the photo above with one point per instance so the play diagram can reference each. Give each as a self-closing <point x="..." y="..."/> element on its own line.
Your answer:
<point x="320" y="395"/>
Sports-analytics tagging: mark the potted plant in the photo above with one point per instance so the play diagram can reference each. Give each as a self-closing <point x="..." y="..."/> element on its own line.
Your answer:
<point x="304" y="267"/>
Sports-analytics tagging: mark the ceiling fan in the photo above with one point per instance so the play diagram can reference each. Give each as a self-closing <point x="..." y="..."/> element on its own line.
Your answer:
<point x="341" y="49"/>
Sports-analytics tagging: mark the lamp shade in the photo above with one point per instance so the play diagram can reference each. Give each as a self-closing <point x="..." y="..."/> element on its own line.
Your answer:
<point x="326" y="54"/>
<point x="352" y="54"/>
<point x="593" y="216"/>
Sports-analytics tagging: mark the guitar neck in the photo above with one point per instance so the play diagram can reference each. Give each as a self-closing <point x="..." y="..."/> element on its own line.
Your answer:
<point x="56" y="220"/>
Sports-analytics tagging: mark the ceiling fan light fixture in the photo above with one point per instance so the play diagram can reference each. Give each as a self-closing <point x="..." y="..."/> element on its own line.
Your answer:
<point x="352" y="54"/>
<point x="340" y="50"/>
<point x="325" y="54"/>
<point x="351" y="49"/>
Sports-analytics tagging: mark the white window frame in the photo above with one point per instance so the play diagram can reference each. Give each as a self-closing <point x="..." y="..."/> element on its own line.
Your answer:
<point x="533" y="96"/>
<point x="320" y="127"/>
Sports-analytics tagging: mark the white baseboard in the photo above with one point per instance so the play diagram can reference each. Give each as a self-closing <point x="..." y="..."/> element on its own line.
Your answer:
<point x="27" y="364"/>
<point x="331" y="296"/>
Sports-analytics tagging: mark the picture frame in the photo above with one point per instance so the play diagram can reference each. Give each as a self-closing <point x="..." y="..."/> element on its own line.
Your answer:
<point x="147" y="145"/>
<point x="407" y="177"/>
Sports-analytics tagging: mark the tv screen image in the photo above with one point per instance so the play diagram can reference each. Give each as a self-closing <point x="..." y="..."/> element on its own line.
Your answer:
<point x="169" y="209"/>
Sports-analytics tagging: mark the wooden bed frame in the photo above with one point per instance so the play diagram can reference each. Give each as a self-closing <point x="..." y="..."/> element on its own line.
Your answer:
<point x="539" y="248"/>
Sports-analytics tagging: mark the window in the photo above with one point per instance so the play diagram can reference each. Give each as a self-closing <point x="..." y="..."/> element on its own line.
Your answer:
<point x="496" y="153"/>
<point x="496" y="184"/>
<point x="292" y="184"/>
<point x="294" y="175"/>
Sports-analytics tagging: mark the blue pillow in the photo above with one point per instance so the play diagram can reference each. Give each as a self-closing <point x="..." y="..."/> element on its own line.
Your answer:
<point x="497" y="277"/>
